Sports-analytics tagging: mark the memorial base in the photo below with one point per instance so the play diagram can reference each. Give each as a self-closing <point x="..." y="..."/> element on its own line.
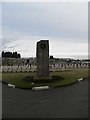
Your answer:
<point x="43" y="78"/>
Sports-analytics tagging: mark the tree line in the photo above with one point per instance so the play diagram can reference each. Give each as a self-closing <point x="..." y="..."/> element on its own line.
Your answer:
<point x="10" y="55"/>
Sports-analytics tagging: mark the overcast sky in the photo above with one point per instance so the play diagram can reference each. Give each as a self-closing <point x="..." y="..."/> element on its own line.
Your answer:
<point x="64" y="24"/>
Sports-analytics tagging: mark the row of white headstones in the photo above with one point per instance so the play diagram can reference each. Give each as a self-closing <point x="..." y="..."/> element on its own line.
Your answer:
<point x="32" y="68"/>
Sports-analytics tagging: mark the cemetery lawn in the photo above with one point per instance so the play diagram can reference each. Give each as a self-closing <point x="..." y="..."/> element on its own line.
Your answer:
<point x="68" y="77"/>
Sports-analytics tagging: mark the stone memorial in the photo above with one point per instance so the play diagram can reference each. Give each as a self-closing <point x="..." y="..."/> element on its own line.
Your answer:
<point x="42" y="55"/>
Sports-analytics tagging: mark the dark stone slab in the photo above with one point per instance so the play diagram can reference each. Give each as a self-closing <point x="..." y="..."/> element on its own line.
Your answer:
<point x="42" y="55"/>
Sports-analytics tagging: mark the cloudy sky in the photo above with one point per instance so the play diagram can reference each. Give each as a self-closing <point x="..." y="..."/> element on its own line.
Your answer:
<point x="64" y="24"/>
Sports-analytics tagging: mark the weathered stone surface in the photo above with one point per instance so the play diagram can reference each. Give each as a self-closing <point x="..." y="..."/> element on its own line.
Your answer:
<point x="42" y="59"/>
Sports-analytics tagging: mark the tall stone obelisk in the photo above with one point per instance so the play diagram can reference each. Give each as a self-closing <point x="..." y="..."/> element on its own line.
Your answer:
<point x="42" y="55"/>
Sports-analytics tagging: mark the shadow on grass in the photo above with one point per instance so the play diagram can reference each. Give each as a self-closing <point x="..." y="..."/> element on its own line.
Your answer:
<point x="41" y="80"/>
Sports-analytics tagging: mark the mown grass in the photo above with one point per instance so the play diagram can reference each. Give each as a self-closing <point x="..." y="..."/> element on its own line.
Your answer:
<point x="69" y="77"/>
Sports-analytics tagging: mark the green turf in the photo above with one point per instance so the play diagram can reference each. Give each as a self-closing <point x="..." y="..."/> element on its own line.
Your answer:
<point x="69" y="77"/>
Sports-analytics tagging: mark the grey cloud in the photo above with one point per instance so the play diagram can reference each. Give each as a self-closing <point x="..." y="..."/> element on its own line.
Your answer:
<point x="67" y="22"/>
<point x="47" y="19"/>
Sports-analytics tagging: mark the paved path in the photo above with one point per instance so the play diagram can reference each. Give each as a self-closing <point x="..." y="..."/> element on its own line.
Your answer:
<point x="65" y="102"/>
<point x="0" y="100"/>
